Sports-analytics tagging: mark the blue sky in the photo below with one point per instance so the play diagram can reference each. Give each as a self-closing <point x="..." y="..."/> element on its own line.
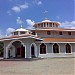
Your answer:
<point x="13" y="13"/>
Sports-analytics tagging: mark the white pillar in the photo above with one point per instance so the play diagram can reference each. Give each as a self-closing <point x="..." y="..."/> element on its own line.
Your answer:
<point x="6" y="53"/>
<point x="25" y="51"/>
<point x="52" y="24"/>
<point x="35" y="50"/>
<point x="40" y="25"/>
<point x="19" y="33"/>
<point x="13" y="51"/>
<point x="46" y="24"/>
<point x="43" y="24"/>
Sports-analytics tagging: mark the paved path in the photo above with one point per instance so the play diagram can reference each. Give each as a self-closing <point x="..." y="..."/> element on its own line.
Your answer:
<point x="49" y="66"/>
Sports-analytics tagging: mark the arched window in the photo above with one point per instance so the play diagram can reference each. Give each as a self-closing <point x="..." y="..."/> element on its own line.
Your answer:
<point x="55" y="48"/>
<point x="50" y="24"/>
<point x="48" y="32"/>
<point x="68" y="48"/>
<point x="42" y="48"/>
<point x="47" y="24"/>
<point x="41" y="24"/>
<point x="53" y="24"/>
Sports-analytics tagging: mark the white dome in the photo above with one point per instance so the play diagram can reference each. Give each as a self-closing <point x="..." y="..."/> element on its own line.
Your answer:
<point x="21" y="29"/>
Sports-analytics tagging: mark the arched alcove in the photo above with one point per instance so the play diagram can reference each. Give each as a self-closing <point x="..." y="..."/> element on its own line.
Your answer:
<point x="55" y="48"/>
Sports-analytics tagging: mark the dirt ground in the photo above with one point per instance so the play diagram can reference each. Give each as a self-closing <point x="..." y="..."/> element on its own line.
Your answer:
<point x="48" y="66"/>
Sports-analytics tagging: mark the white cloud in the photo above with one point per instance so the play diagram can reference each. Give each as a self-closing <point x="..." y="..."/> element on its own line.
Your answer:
<point x="29" y="27"/>
<point x="45" y="11"/>
<point x="24" y="6"/>
<point x="39" y="2"/>
<point x="9" y="30"/>
<point x="30" y="23"/>
<point x="57" y="17"/>
<point x="1" y="34"/>
<point x="6" y="33"/>
<point x="68" y="24"/>
<point x="19" y="21"/>
<point x="18" y="9"/>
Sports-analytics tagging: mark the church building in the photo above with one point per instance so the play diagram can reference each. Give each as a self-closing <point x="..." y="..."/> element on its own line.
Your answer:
<point x="45" y="39"/>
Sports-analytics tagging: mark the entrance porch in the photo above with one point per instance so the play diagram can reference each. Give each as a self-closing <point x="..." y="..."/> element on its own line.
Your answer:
<point x="18" y="49"/>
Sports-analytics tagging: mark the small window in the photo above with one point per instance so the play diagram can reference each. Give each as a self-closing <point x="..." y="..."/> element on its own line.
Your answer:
<point x="33" y="33"/>
<point x="15" y="33"/>
<point x="42" y="48"/>
<point x="48" y="33"/>
<point x="47" y="24"/>
<point x="41" y="24"/>
<point x="50" y="24"/>
<point x="68" y="48"/>
<point x="55" y="48"/>
<point x="69" y="33"/>
<point x="53" y="24"/>
<point x="22" y="32"/>
<point x="60" y="33"/>
<point x="38" y="25"/>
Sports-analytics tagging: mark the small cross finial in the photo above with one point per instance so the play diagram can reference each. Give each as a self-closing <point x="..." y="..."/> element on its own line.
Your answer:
<point x="46" y="18"/>
<point x="21" y="26"/>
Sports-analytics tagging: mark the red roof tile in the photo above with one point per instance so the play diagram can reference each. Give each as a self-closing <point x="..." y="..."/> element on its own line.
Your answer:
<point x="59" y="39"/>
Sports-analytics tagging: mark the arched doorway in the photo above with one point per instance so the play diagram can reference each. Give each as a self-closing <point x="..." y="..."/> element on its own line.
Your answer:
<point x="16" y="49"/>
<point x="32" y="51"/>
<point x="9" y="53"/>
<point x="42" y="48"/>
<point x="55" y="48"/>
<point x="20" y="49"/>
<point x="68" y="48"/>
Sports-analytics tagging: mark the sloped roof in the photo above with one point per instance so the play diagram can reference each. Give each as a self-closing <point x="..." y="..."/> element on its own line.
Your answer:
<point x="19" y="37"/>
<point x="58" y="39"/>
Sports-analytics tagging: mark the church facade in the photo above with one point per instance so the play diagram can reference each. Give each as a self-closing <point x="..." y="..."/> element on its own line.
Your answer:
<point x="46" y="39"/>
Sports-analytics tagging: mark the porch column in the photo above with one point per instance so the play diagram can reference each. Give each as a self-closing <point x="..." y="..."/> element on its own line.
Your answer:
<point x="28" y="52"/>
<point x="43" y="24"/>
<point x="6" y="53"/>
<point x="25" y="51"/>
<point x="35" y="51"/>
<point x="38" y="49"/>
<point x="14" y="54"/>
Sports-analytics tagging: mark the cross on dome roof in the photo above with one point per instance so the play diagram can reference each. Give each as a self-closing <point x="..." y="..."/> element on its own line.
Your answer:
<point x="21" y="26"/>
<point x="46" y="20"/>
<point x="21" y="29"/>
